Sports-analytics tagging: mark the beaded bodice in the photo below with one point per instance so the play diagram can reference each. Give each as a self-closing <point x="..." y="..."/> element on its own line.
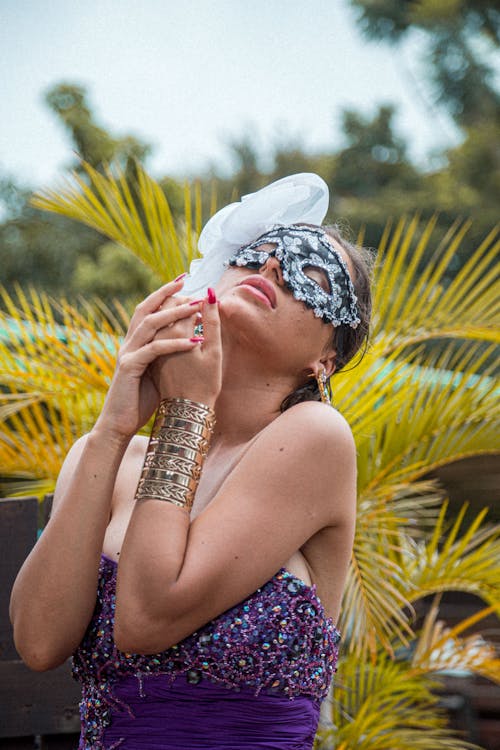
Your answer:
<point x="278" y="640"/>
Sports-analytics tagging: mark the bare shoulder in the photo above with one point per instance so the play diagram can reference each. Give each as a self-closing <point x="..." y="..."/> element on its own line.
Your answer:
<point x="135" y="451"/>
<point x="322" y="457"/>
<point x="73" y="456"/>
<point x="318" y="414"/>
<point x="307" y="456"/>
<point x="311" y="424"/>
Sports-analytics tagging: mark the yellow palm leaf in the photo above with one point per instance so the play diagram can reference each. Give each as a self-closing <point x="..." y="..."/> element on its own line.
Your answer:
<point x="376" y="607"/>
<point x="391" y="570"/>
<point x="456" y="558"/>
<point x="412" y="305"/>
<point x="383" y="706"/>
<point x="56" y="364"/>
<point x="50" y="348"/>
<point x="440" y="650"/>
<point x="35" y="438"/>
<point x="441" y="414"/>
<point x="139" y="219"/>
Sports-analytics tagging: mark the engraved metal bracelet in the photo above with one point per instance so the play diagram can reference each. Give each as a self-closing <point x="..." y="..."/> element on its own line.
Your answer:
<point x="179" y="442"/>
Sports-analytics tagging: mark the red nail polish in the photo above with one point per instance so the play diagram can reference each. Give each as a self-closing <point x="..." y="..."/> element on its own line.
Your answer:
<point x="195" y="302"/>
<point x="196" y="339"/>
<point x="180" y="277"/>
<point x="212" y="299"/>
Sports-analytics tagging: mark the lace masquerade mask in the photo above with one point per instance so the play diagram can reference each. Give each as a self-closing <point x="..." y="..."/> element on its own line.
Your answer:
<point x="230" y="236"/>
<point x="301" y="250"/>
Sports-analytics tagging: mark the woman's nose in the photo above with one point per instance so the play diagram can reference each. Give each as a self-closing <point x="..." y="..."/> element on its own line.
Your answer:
<point x="272" y="267"/>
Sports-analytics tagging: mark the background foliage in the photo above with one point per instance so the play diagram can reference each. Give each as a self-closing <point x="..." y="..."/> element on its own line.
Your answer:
<point x="371" y="177"/>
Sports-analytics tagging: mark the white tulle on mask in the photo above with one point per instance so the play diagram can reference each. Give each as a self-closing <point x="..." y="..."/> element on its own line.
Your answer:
<point x="299" y="198"/>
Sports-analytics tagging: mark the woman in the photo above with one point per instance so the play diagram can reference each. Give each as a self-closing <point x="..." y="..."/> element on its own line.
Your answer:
<point x="219" y="548"/>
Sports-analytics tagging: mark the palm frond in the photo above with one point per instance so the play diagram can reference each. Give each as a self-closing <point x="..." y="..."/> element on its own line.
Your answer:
<point x="382" y="706"/>
<point x="412" y="305"/>
<point x="376" y="608"/>
<point x="51" y="347"/>
<point x="137" y="216"/>
<point x="35" y="438"/>
<point x="456" y="558"/>
<point x="439" y="649"/>
<point x="391" y="570"/>
<point x="439" y="415"/>
<point x="57" y="361"/>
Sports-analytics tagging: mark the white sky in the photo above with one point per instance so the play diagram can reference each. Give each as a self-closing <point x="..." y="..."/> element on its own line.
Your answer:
<point x="189" y="76"/>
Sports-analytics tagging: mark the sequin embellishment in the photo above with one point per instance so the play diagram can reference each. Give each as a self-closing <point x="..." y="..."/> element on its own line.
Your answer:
<point x="278" y="640"/>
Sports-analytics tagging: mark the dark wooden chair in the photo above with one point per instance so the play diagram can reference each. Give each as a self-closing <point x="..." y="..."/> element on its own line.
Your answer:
<point x="37" y="709"/>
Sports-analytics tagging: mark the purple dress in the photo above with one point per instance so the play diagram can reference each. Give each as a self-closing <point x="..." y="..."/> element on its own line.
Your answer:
<point x="250" y="679"/>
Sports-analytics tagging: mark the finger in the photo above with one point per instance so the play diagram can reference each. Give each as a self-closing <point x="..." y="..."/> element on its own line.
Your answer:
<point x="141" y="358"/>
<point x="153" y="301"/>
<point x="211" y="323"/>
<point x="172" y="301"/>
<point x="149" y="327"/>
<point x="169" y="316"/>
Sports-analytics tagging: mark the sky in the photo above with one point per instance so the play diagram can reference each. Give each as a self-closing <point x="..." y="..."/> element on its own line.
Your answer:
<point x="189" y="77"/>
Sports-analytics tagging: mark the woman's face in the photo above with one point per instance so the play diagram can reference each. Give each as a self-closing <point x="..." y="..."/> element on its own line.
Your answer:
<point x="300" y="250"/>
<point x="259" y="309"/>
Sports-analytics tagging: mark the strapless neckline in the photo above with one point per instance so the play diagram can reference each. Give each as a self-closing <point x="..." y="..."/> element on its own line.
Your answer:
<point x="285" y="575"/>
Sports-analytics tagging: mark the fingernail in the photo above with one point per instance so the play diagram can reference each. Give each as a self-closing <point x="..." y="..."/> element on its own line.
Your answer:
<point x="195" y="339"/>
<point x="196" y="302"/>
<point x="180" y="277"/>
<point x="212" y="299"/>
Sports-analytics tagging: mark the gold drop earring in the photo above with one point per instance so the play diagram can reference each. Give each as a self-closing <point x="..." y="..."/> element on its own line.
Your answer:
<point x="321" y="379"/>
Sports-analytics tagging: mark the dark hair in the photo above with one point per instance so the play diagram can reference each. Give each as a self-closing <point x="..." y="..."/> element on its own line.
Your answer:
<point x="347" y="341"/>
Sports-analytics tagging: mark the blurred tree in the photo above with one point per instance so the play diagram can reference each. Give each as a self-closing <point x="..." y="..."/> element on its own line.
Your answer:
<point x="115" y="273"/>
<point x="460" y="34"/>
<point x="45" y="250"/>
<point x="371" y="178"/>
<point x="175" y="195"/>
<point x="93" y="144"/>
<point x="461" y="58"/>
<point x="38" y="248"/>
<point x="245" y="156"/>
<point x="13" y="197"/>
<point x="373" y="158"/>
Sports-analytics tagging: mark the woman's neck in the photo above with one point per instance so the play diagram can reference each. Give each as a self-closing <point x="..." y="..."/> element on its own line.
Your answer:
<point x="249" y="400"/>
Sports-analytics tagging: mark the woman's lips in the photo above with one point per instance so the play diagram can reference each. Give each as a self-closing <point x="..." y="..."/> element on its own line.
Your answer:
<point x="261" y="289"/>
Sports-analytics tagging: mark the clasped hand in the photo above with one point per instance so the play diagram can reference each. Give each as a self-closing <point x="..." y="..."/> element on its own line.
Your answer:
<point x="161" y="358"/>
<point x="195" y="373"/>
